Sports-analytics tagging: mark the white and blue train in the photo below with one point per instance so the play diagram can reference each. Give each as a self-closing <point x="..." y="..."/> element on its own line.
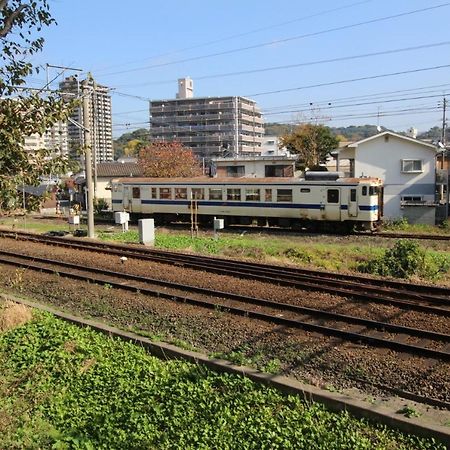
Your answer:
<point x="333" y="204"/>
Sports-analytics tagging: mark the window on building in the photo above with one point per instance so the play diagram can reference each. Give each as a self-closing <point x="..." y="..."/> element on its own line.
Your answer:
<point x="412" y="165"/>
<point x="284" y="195"/>
<point x="235" y="171"/>
<point x="412" y="198"/>
<point x="268" y="195"/>
<point x="165" y="193"/>
<point x="136" y="192"/>
<point x="215" y="193"/>
<point x="333" y="196"/>
<point x="198" y="193"/>
<point x="154" y="192"/>
<point x="180" y="193"/>
<point x="305" y="190"/>
<point x="278" y="171"/>
<point x="233" y="194"/>
<point x="252" y="195"/>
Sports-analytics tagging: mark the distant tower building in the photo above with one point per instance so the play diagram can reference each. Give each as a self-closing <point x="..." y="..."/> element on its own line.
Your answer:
<point x="185" y="88"/>
<point x="99" y="121"/>
<point x="210" y="126"/>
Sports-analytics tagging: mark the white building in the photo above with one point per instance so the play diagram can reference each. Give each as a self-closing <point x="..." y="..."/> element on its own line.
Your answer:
<point x="99" y="120"/>
<point x="210" y="126"/>
<point x="405" y="164"/>
<point x="254" y="166"/>
<point x="54" y="139"/>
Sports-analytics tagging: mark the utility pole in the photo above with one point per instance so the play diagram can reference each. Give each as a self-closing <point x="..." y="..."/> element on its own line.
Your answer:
<point x="88" y="162"/>
<point x="444" y="124"/>
<point x="444" y="151"/>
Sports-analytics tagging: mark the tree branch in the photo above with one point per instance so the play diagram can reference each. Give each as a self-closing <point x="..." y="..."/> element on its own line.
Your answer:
<point x="9" y="20"/>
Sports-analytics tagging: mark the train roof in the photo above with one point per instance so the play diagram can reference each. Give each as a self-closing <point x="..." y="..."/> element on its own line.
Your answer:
<point x="234" y="180"/>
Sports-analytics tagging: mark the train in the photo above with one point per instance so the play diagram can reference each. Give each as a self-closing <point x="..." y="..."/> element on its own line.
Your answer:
<point x="321" y="201"/>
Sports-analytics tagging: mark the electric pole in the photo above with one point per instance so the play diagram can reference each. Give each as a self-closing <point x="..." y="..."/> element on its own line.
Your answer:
<point x="88" y="162"/>
<point x="444" y="124"/>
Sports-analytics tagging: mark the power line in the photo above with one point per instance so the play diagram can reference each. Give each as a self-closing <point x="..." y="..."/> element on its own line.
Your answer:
<point x="304" y="64"/>
<point x="234" y="36"/>
<point x="395" y="93"/>
<point x="281" y="41"/>
<point x="351" y="80"/>
<point x="329" y="107"/>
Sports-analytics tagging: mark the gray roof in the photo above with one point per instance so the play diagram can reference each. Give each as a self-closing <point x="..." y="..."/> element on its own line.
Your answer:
<point x="118" y="169"/>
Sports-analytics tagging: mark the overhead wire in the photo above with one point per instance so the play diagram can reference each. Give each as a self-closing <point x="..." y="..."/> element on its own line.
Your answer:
<point x="284" y="40"/>
<point x="247" y="33"/>
<point x="303" y="64"/>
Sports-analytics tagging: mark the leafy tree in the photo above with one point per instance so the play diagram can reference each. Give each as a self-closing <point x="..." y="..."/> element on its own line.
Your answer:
<point x="133" y="147"/>
<point x="23" y="112"/>
<point x="167" y="160"/>
<point x="121" y="146"/>
<point x="311" y="142"/>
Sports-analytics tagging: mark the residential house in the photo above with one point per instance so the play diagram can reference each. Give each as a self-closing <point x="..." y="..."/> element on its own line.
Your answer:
<point x="405" y="164"/>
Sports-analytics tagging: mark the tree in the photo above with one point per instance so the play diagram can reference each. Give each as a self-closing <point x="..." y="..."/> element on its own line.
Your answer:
<point x="312" y="143"/>
<point x="24" y="112"/>
<point x="121" y="143"/>
<point x="168" y="160"/>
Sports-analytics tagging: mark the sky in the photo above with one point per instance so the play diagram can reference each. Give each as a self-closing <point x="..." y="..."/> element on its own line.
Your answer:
<point x="327" y="61"/>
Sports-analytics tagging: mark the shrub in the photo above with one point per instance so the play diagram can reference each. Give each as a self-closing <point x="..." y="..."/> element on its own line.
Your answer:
<point x="406" y="259"/>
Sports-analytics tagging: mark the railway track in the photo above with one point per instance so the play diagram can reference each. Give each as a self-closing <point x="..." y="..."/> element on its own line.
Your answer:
<point x="410" y="340"/>
<point x="424" y="298"/>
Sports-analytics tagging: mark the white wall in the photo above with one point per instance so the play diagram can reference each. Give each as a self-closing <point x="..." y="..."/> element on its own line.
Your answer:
<point x="382" y="158"/>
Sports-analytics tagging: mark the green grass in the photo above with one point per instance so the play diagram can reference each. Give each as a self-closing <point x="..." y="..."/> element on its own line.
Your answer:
<point x="63" y="387"/>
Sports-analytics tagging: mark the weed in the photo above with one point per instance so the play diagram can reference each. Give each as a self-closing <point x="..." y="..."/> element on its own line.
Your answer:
<point x="107" y="286"/>
<point x="273" y="366"/>
<point x="409" y="412"/>
<point x="16" y="281"/>
<point x="406" y="259"/>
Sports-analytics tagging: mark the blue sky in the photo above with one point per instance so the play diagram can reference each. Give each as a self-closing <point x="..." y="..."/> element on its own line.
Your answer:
<point x="168" y="40"/>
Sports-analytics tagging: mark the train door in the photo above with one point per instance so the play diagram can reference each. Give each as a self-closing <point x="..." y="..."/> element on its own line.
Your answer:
<point x="136" y="199"/>
<point x="126" y="197"/>
<point x="352" y="203"/>
<point x="333" y="204"/>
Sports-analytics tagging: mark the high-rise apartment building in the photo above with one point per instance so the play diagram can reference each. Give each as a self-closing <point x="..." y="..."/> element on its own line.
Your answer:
<point x="210" y="126"/>
<point x="54" y="139"/>
<point x="99" y="120"/>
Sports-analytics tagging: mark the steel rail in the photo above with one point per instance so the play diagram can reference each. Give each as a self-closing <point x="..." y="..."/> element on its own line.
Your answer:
<point x="330" y="331"/>
<point x="281" y="275"/>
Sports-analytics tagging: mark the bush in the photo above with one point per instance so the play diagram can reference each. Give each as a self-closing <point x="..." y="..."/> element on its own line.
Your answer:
<point x="406" y="259"/>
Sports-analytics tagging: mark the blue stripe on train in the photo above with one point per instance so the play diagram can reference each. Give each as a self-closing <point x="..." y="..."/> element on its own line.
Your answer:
<point x="249" y="204"/>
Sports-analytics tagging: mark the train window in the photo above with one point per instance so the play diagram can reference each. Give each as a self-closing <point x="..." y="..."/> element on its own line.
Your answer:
<point x="333" y="196"/>
<point x="154" y="192"/>
<point x="252" y="195"/>
<point x="136" y="192"/>
<point x="353" y="195"/>
<point x="215" y="193"/>
<point x="197" y="193"/>
<point x="268" y="195"/>
<point x="284" y="195"/>
<point x="305" y="190"/>
<point x="233" y="194"/>
<point x="364" y="190"/>
<point x="373" y="190"/>
<point x="165" y="193"/>
<point x="180" y="193"/>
